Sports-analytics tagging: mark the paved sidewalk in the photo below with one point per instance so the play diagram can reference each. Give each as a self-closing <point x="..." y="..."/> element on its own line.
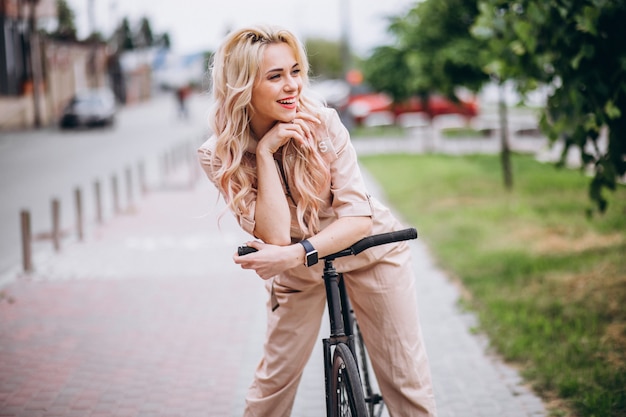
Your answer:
<point x="149" y="317"/>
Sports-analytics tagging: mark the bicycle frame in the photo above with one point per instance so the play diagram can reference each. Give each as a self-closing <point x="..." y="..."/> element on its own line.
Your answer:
<point x="339" y="313"/>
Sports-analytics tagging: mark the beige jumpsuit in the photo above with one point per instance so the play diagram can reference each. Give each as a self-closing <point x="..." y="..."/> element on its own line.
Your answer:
<point x="380" y="284"/>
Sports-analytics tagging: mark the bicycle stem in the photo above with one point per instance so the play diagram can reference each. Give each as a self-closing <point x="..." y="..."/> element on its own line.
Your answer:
<point x="332" y="293"/>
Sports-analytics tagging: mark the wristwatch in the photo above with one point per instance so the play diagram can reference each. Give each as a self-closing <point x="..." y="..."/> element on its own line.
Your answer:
<point x="310" y="258"/>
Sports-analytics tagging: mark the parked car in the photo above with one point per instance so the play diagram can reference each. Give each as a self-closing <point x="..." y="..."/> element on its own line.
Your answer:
<point x="361" y="103"/>
<point x="368" y="104"/>
<point x="437" y="105"/>
<point x="93" y="107"/>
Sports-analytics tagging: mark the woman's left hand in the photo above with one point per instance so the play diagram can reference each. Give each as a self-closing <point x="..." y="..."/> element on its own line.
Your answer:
<point x="270" y="260"/>
<point x="303" y="121"/>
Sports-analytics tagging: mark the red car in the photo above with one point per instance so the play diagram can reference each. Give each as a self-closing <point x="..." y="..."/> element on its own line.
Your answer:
<point x="362" y="105"/>
<point x="437" y="105"/>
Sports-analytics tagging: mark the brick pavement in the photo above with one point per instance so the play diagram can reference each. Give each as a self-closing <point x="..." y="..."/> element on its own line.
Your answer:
<point x="148" y="317"/>
<point x="144" y="319"/>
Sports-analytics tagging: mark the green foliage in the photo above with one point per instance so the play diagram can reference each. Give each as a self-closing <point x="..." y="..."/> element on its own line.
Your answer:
<point x="388" y="70"/>
<point x="578" y="48"/>
<point x="548" y="284"/>
<point x="434" y="51"/>
<point x="66" y="29"/>
<point x="385" y="131"/>
<point x="144" y="36"/>
<point x="163" y="40"/>
<point x="126" y="39"/>
<point x="324" y="58"/>
<point x="96" y="37"/>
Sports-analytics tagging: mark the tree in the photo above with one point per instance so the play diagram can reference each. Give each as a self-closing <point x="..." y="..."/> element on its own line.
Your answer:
<point x="578" y="49"/>
<point x="144" y="36"/>
<point x="388" y="70"/>
<point x="163" y="41"/>
<point x="123" y="38"/>
<point x="439" y="48"/>
<point x="435" y="51"/>
<point x="324" y="58"/>
<point x="66" y="28"/>
<point x="96" y="36"/>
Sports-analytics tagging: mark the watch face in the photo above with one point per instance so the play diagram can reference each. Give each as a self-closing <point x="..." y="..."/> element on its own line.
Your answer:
<point x="311" y="258"/>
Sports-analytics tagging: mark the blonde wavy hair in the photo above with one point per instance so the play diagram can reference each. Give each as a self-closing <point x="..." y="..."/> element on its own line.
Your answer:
<point x="234" y="71"/>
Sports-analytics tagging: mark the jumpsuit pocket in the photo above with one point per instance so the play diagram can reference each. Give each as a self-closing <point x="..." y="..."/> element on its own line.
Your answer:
<point x="281" y="291"/>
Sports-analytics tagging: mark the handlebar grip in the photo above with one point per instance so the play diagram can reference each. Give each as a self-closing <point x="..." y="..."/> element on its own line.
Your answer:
<point x="244" y="250"/>
<point x="383" y="238"/>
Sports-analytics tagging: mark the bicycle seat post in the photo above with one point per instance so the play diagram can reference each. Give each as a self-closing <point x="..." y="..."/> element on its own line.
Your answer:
<point x="331" y="282"/>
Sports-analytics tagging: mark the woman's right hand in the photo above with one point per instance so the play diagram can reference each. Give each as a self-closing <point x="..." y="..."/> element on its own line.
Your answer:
<point x="270" y="260"/>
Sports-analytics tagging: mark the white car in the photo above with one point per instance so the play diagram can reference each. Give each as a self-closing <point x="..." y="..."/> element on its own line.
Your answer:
<point x="90" y="108"/>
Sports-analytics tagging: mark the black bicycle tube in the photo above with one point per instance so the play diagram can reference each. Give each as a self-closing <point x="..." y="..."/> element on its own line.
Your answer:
<point x="383" y="238"/>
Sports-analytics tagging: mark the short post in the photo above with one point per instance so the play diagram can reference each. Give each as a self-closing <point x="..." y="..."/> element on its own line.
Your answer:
<point x="98" y="194"/>
<point x="129" y="187"/>
<point x="182" y="153"/>
<point x="27" y="261"/>
<point x="78" y="199"/>
<point x="174" y="157"/>
<point x="142" y="177"/>
<point x="56" y="224"/>
<point x="166" y="164"/>
<point x="116" y="197"/>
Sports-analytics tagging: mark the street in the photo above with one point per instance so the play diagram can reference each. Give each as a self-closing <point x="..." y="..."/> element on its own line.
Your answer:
<point x="38" y="166"/>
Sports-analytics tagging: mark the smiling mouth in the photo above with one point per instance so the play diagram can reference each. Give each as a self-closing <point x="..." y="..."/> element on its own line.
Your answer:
<point x="288" y="102"/>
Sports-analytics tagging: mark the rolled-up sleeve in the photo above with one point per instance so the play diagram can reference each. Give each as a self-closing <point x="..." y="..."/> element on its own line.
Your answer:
<point x="350" y="197"/>
<point x="210" y="166"/>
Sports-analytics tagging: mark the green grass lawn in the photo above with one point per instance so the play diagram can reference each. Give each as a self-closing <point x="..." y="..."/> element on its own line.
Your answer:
<point x="378" y="131"/>
<point x="547" y="282"/>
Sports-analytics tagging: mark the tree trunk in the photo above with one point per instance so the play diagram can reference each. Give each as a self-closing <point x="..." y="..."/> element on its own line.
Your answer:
<point x="505" y="150"/>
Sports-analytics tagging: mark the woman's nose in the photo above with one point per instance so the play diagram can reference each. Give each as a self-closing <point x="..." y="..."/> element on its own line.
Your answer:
<point x="291" y="84"/>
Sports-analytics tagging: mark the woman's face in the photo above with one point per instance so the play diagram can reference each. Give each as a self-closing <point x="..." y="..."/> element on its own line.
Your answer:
<point x="275" y="93"/>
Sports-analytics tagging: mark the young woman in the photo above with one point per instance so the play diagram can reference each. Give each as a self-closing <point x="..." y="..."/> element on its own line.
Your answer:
<point x="284" y="164"/>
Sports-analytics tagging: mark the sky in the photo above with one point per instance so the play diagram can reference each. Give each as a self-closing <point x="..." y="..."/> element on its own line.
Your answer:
<point x="198" y="25"/>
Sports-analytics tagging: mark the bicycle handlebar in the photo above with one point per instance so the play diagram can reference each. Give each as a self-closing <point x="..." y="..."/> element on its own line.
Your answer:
<point x="383" y="238"/>
<point x="375" y="240"/>
<point x="361" y="245"/>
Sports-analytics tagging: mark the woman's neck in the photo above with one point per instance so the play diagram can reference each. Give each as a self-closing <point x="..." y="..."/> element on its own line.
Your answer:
<point x="258" y="129"/>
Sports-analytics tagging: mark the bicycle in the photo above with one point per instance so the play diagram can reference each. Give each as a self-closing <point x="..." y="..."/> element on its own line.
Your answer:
<point x="348" y="390"/>
<point x="374" y="400"/>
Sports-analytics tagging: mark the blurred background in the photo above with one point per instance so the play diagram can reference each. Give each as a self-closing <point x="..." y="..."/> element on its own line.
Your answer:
<point x="472" y="103"/>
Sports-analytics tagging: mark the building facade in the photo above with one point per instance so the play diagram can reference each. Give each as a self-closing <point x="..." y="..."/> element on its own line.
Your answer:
<point x="39" y="74"/>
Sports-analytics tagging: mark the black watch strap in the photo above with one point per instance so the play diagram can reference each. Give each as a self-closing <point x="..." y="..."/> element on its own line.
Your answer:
<point x="310" y="257"/>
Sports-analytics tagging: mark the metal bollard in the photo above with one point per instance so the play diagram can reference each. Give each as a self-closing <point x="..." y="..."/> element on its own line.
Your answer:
<point x="129" y="188"/>
<point x="98" y="194"/>
<point x="56" y="224"/>
<point x="166" y="165"/>
<point x="116" y="196"/>
<point x="78" y="199"/>
<point x="27" y="260"/>
<point x="142" y="178"/>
